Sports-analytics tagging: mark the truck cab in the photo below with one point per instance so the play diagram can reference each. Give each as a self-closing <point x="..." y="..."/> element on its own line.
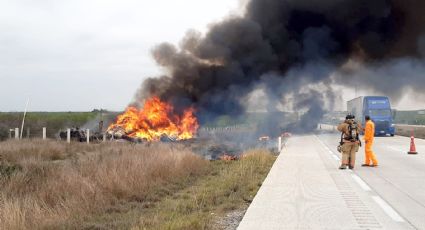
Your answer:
<point x="379" y="110"/>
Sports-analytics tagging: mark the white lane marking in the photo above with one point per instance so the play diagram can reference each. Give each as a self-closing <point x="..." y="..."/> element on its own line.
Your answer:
<point x="388" y="209"/>
<point x="329" y="150"/>
<point x="323" y="144"/>
<point x="362" y="184"/>
<point x="384" y="205"/>
<point x="394" y="148"/>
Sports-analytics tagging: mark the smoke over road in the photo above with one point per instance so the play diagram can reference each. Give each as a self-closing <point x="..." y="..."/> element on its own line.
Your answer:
<point x="293" y="51"/>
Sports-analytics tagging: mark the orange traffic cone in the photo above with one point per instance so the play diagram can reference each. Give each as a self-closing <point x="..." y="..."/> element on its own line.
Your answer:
<point x="412" y="145"/>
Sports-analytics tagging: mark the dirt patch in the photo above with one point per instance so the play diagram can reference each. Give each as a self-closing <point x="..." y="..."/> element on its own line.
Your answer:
<point x="231" y="220"/>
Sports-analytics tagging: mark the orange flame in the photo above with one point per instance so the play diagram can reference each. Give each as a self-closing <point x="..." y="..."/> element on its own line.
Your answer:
<point x="157" y="118"/>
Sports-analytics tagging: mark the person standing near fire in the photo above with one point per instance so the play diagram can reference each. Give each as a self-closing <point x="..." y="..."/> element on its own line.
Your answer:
<point x="350" y="141"/>
<point x="369" y="136"/>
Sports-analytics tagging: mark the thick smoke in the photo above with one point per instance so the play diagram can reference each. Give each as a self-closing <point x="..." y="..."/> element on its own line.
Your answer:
<point x="395" y="77"/>
<point x="291" y="48"/>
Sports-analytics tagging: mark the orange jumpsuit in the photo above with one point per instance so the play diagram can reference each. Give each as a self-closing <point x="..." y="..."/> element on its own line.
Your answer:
<point x="369" y="136"/>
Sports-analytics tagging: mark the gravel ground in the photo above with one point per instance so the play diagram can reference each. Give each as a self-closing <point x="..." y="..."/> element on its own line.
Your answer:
<point x="231" y="220"/>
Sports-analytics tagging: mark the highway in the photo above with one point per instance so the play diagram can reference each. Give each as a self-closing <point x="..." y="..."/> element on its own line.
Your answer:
<point x="306" y="190"/>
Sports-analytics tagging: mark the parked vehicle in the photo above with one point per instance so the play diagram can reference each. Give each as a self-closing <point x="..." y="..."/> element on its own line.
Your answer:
<point x="379" y="110"/>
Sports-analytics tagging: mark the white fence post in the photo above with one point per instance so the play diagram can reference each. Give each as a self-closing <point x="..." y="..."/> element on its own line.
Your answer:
<point x="17" y="133"/>
<point x="68" y="135"/>
<point x="88" y="136"/>
<point x="44" y="133"/>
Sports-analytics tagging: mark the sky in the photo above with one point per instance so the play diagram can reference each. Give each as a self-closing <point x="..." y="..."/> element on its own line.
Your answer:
<point x="82" y="55"/>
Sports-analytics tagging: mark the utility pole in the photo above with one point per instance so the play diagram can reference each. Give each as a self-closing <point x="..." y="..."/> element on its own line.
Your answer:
<point x="23" y="119"/>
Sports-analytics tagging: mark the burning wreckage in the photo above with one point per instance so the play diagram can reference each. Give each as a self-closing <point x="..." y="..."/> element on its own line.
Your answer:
<point x="119" y="133"/>
<point x="158" y="122"/>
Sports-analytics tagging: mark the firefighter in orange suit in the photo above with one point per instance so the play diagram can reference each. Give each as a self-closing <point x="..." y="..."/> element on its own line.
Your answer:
<point x="369" y="135"/>
<point x="350" y="141"/>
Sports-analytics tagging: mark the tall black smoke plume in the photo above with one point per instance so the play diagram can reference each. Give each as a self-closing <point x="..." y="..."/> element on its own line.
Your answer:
<point x="288" y="48"/>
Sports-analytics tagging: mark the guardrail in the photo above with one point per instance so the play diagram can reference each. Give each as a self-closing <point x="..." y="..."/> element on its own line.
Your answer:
<point x="406" y="130"/>
<point x="401" y="130"/>
<point x="326" y="127"/>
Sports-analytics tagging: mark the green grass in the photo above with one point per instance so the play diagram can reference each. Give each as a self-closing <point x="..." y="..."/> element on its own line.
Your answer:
<point x="229" y="186"/>
<point x="416" y="117"/>
<point x="195" y="203"/>
<point x="54" y="116"/>
<point x="53" y="121"/>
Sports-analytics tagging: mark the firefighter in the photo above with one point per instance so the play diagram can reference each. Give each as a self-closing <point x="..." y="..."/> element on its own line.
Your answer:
<point x="369" y="136"/>
<point x="350" y="141"/>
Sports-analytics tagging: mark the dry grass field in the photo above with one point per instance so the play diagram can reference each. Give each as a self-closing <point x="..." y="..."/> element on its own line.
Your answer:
<point x="52" y="185"/>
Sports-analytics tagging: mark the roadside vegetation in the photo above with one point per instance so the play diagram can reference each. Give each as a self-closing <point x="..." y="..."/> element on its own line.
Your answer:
<point x="56" y="121"/>
<point x="52" y="185"/>
<point x="226" y="187"/>
<point x="414" y="117"/>
<point x="53" y="121"/>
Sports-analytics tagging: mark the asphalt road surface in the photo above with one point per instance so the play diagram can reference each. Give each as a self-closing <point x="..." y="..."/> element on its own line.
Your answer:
<point x="306" y="190"/>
